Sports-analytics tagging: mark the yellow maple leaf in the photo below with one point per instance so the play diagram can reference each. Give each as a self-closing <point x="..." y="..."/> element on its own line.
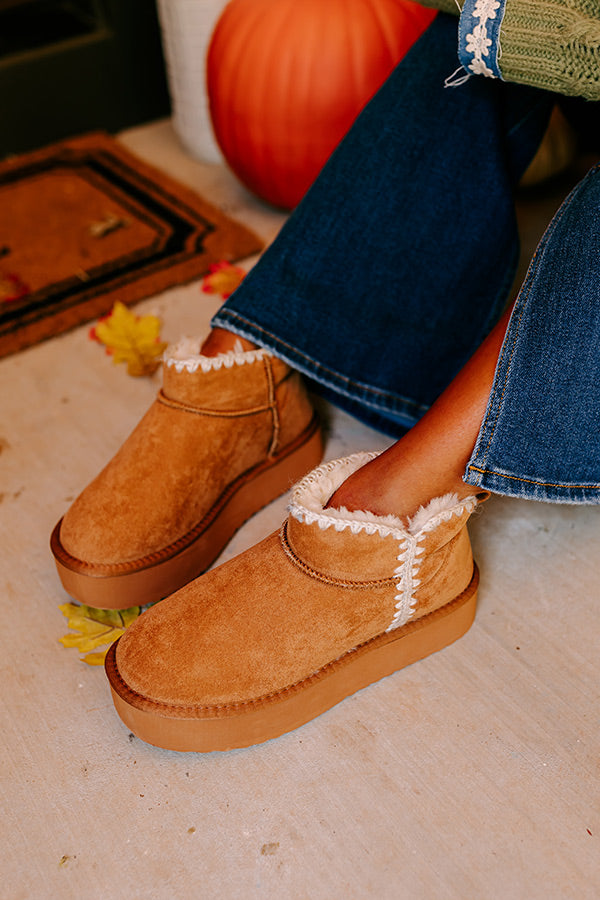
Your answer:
<point x="131" y="339"/>
<point x="222" y="278"/>
<point x="95" y="628"/>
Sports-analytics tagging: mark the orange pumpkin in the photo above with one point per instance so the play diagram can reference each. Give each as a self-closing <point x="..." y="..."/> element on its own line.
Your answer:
<point x="286" y="79"/>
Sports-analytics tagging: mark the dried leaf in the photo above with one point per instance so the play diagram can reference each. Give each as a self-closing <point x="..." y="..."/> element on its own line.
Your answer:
<point x="107" y="225"/>
<point x="223" y="279"/>
<point x="95" y="628"/>
<point x="95" y="659"/>
<point x="131" y="339"/>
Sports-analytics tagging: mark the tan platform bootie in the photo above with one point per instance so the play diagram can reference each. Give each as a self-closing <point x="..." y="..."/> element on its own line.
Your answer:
<point x="269" y="640"/>
<point x="224" y="437"/>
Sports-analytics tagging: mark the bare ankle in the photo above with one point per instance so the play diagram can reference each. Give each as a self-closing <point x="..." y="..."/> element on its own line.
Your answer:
<point x="385" y="489"/>
<point x="221" y="341"/>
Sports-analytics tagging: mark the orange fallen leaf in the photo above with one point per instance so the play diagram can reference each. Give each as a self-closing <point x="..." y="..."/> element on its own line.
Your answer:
<point x="223" y="278"/>
<point x="131" y="339"/>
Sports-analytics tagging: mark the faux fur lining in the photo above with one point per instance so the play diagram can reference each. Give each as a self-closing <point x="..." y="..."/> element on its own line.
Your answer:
<point x="312" y="493"/>
<point x="439" y="510"/>
<point x="185" y="356"/>
<point x="308" y="505"/>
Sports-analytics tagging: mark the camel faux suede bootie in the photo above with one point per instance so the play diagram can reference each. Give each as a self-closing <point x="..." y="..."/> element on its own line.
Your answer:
<point x="329" y="604"/>
<point x="224" y="437"/>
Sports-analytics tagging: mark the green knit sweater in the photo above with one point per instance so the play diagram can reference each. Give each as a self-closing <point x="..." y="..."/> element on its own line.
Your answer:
<point x="551" y="44"/>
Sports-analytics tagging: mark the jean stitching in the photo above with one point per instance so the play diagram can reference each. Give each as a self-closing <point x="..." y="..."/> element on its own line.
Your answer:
<point x="589" y="487"/>
<point x="377" y="392"/>
<point x="530" y="278"/>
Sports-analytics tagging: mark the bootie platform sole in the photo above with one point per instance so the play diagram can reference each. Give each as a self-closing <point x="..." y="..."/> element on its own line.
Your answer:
<point x="146" y="580"/>
<point x="226" y="727"/>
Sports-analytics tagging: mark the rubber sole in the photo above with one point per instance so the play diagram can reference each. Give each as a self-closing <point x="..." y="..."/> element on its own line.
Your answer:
<point x="206" y="729"/>
<point x="160" y="574"/>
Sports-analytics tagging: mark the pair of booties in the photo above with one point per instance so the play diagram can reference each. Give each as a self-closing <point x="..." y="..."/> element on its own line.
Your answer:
<point x="256" y="647"/>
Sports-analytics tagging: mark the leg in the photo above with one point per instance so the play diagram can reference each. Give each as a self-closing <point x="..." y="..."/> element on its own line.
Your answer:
<point x="540" y="437"/>
<point x="431" y="458"/>
<point x="400" y="259"/>
<point x="338" y="599"/>
<point x="522" y="418"/>
<point x="219" y="340"/>
<point x="167" y="495"/>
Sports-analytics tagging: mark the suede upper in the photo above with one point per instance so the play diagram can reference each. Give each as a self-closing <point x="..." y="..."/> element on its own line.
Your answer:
<point x="205" y="429"/>
<point x="270" y="618"/>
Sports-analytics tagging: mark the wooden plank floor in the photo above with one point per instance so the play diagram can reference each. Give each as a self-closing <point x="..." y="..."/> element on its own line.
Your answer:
<point x="474" y="774"/>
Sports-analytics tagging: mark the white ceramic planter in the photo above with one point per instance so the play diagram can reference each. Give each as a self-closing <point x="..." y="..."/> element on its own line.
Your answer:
<point x="187" y="27"/>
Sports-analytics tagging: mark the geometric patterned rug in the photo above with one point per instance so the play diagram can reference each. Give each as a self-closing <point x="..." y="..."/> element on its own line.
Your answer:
<point x="84" y="223"/>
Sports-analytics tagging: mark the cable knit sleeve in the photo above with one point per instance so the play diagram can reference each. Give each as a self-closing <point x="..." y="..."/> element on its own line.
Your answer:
<point x="551" y="44"/>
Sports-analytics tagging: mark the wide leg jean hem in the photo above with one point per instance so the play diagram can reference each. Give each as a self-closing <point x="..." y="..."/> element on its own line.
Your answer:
<point x="540" y="436"/>
<point x="386" y="411"/>
<point x="512" y="485"/>
<point x="383" y="281"/>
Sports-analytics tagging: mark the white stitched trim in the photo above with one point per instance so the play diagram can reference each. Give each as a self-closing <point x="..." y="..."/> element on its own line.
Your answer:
<point x="408" y="570"/>
<point x="425" y="520"/>
<point x="184" y="356"/>
<point x="439" y="510"/>
<point x="312" y="493"/>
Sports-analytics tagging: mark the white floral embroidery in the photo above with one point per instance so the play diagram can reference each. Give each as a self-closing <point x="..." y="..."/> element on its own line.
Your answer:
<point x="478" y="67"/>
<point x="477" y="42"/>
<point x="486" y="9"/>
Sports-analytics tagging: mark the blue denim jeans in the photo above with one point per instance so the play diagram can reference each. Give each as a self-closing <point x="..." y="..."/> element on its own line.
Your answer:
<point x="400" y="260"/>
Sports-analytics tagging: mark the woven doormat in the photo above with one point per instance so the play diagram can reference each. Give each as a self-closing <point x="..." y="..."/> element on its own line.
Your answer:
<point x="84" y="223"/>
